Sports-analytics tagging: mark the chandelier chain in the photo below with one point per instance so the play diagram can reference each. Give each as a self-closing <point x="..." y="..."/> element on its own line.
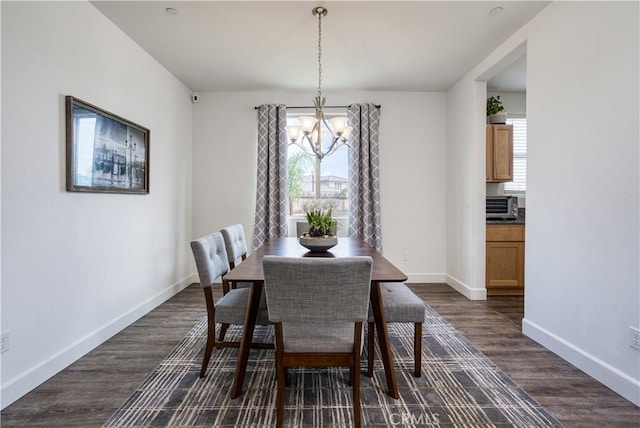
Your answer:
<point x="308" y="136"/>
<point x="319" y="55"/>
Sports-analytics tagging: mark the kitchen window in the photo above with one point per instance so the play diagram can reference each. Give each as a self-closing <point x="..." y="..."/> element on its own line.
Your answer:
<point x="519" y="183"/>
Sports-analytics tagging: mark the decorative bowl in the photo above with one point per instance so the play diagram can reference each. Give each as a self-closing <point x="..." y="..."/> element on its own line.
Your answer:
<point x="498" y="118"/>
<point x="318" y="245"/>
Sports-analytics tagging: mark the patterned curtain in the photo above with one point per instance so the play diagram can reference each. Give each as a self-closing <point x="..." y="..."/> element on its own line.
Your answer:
<point x="271" y="192"/>
<point x="364" y="175"/>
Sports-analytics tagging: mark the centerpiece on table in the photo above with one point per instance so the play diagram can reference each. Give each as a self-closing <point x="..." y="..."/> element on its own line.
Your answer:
<point x="320" y="237"/>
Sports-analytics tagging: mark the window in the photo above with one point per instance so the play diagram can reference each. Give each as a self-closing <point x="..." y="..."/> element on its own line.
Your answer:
<point x="301" y="170"/>
<point x="519" y="183"/>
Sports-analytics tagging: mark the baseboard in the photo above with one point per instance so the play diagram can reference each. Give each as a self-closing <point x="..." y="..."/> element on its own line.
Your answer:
<point x="465" y="290"/>
<point x="416" y="278"/>
<point x="611" y="377"/>
<point x="30" y="379"/>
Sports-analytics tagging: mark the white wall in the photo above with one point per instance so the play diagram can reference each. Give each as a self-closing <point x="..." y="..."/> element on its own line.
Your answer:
<point x="465" y="184"/>
<point x="583" y="289"/>
<point x="582" y="254"/>
<point x="513" y="102"/>
<point x="412" y="169"/>
<point x="77" y="268"/>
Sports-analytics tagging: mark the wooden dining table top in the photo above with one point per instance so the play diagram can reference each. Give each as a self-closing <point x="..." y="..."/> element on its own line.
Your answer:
<point x="251" y="269"/>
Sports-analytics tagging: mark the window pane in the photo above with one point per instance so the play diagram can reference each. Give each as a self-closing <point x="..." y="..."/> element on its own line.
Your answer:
<point x="302" y="177"/>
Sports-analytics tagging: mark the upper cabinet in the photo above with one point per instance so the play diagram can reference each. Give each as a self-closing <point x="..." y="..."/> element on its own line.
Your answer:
<point x="499" y="153"/>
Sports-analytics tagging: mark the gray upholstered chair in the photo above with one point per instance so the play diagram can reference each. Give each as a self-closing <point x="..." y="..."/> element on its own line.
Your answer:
<point x="235" y="243"/>
<point x="400" y="305"/>
<point x="302" y="227"/>
<point x="211" y="261"/>
<point x="318" y="306"/>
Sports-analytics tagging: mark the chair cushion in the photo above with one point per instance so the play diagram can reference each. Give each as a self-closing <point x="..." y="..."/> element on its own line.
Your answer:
<point x="232" y="308"/>
<point x="400" y="303"/>
<point x="263" y="297"/>
<point x="307" y="338"/>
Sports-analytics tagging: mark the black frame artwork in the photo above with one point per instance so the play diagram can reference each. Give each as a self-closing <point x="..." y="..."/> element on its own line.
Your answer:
<point x="105" y="152"/>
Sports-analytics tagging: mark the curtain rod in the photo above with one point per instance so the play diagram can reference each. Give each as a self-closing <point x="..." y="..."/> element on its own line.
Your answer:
<point x="312" y="107"/>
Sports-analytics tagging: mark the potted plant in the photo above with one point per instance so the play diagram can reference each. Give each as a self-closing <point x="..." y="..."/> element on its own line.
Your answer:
<point x="321" y="236"/>
<point x="495" y="110"/>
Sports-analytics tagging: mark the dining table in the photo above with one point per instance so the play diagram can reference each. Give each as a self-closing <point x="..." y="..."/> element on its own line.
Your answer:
<point x="250" y="270"/>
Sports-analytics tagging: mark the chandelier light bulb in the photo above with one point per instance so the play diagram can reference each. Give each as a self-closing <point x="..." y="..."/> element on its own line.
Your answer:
<point x="307" y="123"/>
<point x="293" y="132"/>
<point x="338" y="125"/>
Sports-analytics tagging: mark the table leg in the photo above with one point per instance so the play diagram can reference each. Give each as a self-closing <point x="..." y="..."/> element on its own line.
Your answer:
<point x="383" y="338"/>
<point x="247" y="338"/>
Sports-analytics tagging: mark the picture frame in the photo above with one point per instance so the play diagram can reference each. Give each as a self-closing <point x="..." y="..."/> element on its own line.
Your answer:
<point x="105" y="152"/>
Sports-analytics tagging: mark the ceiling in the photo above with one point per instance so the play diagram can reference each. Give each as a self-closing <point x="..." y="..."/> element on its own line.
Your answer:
<point x="366" y="45"/>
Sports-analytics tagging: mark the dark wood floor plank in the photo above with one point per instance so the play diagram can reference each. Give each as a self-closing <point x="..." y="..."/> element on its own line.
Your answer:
<point x="87" y="392"/>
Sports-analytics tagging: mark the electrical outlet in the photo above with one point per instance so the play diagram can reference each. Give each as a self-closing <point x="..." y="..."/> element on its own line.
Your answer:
<point x="405" y="256"/>
<point x="634" y="338"/>
<point x="5" y="343"/>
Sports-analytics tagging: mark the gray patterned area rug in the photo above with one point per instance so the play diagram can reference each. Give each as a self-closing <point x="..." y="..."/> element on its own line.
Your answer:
<point x="459" y="387"/>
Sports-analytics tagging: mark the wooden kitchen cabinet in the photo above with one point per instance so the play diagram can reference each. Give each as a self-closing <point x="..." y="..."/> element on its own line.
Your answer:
<point x="505" y="260"/>
<point x="499" y="153"/>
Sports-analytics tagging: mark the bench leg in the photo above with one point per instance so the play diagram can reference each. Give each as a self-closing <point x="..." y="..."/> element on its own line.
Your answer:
<point x="417" y="350"/>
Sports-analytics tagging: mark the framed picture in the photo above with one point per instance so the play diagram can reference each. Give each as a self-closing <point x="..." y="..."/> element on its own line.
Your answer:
<point x="105" y="153"/>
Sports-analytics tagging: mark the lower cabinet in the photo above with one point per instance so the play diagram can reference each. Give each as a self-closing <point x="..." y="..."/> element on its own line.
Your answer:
<point x="505" y="260"/>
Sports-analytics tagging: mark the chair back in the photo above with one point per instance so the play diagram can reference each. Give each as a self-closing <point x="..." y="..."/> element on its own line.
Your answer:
<point x="317" y="290"/>
<point x="235" y="242"/>
<point x="302" y="227"/>
<point x="211" y="258"/>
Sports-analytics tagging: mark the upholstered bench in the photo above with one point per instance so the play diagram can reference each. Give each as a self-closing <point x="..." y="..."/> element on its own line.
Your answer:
<point x="400" y="305"/>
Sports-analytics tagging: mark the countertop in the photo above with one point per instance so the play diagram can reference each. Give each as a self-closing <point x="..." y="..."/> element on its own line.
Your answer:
<point x="519" y="220"/>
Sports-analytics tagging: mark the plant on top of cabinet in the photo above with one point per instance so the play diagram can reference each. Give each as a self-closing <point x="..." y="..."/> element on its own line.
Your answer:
<point x="495" y="110"/>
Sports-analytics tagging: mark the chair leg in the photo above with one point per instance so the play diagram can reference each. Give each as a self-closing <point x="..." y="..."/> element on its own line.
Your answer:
<point x="223" y="331"/>
<point x="371" y="331"/>
<point x="417" y="350"/>
<point x="357" y="411"/>
<point x="355" y="378"/>
<point x="211" y="330"/>
<point x="280" y="394"/>
<point x="281" y="374"/>
<point x="211" y="342"/>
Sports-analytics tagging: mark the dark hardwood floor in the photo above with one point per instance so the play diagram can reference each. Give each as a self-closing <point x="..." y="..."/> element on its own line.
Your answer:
<point x="494" y="326"/>
<point x="87" y="392"/>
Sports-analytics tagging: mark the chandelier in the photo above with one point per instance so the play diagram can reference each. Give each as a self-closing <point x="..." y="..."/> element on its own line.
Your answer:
<point x="310" y="129"/>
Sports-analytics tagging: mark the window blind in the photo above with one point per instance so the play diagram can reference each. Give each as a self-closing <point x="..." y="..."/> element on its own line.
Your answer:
<point x="519" y="183"/>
